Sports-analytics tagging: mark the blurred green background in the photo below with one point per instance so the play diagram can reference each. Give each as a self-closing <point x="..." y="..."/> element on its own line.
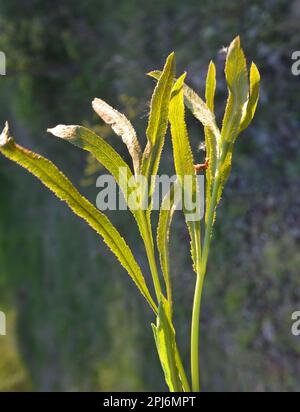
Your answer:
<point x="75" y="320"/>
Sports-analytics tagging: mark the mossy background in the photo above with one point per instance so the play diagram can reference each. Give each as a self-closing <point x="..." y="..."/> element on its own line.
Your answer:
<point x="75" y="320"/>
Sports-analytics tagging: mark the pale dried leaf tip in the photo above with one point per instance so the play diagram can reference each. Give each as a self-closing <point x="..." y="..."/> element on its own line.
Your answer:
<point x="4" y="137"/>
<point x="63" y="131"/>
<point x="122" y="127"/>
<point x="119" y="123"/>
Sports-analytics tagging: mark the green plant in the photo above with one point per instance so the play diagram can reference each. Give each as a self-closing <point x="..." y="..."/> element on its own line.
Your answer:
<point x="167" y="105"/>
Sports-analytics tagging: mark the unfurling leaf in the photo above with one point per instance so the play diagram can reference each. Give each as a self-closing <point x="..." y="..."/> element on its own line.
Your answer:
<point x="61" y="186"/>
<point x="164" y="335"/>
<point x="122" y="127"/>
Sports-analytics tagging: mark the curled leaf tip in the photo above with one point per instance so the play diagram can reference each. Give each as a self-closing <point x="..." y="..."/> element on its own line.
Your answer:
<point x="63" y="131"/>
<point x="4" y="137"/>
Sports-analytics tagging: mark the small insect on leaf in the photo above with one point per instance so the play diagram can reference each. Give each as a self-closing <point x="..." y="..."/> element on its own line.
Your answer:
<point x="200" y="167"/>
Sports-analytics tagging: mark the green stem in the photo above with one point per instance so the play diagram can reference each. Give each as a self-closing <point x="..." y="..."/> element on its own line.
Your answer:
<point x="149" y="246"/>
<point x="201" y="271"/>
<point x="183" y="378"/>
<point x="195" y="334"/>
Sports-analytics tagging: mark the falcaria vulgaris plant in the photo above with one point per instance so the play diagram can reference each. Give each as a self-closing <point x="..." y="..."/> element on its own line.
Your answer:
<point x="168" y="102"/>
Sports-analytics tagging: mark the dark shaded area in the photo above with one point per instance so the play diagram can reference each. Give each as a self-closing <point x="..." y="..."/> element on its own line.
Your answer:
<point x="81" y="325"/>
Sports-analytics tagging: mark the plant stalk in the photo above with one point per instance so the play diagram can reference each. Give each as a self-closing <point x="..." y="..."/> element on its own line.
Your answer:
<point x="201" y="271"/>
<point x="149" y="246"/>
<point x="183" y="378"/>
<point x="153" y="267"/>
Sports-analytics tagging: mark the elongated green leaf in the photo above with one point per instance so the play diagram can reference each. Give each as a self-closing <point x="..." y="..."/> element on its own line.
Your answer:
<point x="166" y="213"/>
<point x="58" y="183"/>
<point x="88" y="140"/>
<point x="183" y="156"/>
<point x="184" y="165"/>
<point x="253" y="98"/>
<point x="240" y="107"/>
<point x="197" y="106"/>
<point x="211" y="142"/>
<point x="112" y="161"/>
<point x="122" y="127"/>
<point x="158" y="123"/>
<point x="164" y="335"/>
<point x="210" y="88"/>
<point x="238" y="89"/>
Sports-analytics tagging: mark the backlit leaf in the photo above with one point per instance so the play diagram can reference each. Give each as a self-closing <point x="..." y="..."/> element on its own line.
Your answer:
<point x="184" y="165"/>
<point x="122" y="127"/>
<point x="253" y="98"/>
<point x="158" y="123"/>
<point x="238" y="89"/>
<point x="61" y="186"/>
<point x="167" y="209"/>
<point x="106" y="155"/>
<point x="164" y="335"/>
<point x="112" y="161"/>
<point x="197" y="106"/>
<point x="211" y="142"/>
